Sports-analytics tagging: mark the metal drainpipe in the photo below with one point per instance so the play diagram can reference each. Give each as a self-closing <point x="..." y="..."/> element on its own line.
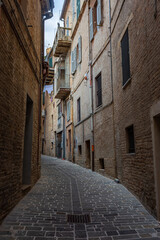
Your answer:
<point x="64" y="135"/>
<point x="91" y="88"/>
<point x="111" y="70"/>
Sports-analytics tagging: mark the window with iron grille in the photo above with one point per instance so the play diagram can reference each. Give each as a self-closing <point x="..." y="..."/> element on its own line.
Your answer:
<point x="125" y="57"/>
<point x="98" y="91"/>
<point x="78" y="110"/>
<point x="130" y="139"/>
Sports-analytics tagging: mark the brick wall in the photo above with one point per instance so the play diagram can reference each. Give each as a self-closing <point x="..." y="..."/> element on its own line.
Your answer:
<point x="133" y="102"/>
<point x="49" y="123"/>
<point x="19" y="74"/>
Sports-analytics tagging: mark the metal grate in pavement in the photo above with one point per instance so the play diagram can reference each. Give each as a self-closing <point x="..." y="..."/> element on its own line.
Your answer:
<point x="74" y="218"/>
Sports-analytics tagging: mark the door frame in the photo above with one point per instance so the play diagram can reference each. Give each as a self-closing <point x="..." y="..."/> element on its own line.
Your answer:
<point x="155" y="118"/>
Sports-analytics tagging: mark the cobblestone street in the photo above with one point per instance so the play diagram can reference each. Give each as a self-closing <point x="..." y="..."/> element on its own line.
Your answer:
<point x="108" y="211"/>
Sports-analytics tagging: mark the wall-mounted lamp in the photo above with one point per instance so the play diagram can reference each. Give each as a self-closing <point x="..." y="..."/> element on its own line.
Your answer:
<point x="85" y="79"/>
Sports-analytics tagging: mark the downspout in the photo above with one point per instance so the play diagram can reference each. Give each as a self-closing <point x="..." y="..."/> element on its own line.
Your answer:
<point x="111" y="71"/>
<point x="64" y="129"/>
<point x="91" y="89"/>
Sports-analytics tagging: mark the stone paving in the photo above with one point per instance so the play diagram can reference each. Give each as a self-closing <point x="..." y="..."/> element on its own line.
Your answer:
<point x="68" y="189"/>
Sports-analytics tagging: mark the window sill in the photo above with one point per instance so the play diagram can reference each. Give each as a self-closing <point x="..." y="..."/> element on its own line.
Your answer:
<point x="131" y="154"/>
<point x="99" y="107"/>
<point x="25" y="187"/>
<point x="127" y="83"/>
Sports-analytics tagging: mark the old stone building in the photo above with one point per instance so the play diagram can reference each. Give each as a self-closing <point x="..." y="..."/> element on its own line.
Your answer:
<point x="49" y="125"/>
<point x="62" y="86"/>
<point x="136" y="87"/>
<point x="21" y="43"/>
<point x="113" y="54"/>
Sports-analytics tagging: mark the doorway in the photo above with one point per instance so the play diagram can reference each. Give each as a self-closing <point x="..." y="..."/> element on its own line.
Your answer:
<point x="156" y="151"/>
<point x="27" y="154"/>
<point x="59" y="145"/>
<point x="88" y="154"/>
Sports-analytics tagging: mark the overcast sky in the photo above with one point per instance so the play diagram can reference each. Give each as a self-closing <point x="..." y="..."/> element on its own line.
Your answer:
<point x="50" y="30"/>
<point x="51" y="24"/>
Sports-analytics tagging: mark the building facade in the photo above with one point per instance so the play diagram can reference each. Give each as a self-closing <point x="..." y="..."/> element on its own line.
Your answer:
<point x="114" y="91"/>
<point x="21" y="38"/>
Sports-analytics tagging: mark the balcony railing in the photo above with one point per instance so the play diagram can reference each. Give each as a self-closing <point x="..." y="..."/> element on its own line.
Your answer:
<point x="62" y="41"/>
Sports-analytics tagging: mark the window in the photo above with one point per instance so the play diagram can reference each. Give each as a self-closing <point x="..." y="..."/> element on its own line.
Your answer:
<point x="130" y="139"/>
<point x="59" y="115"/>
<point x="95" y="18"/>
<point x="101" y="162"/>
<point x="43" y="98"/>
<point x="78" y="110"/>
<point x="68" y="111"/>
<point x="76" y="56"/>
<point x="79" y="150"/>
<point x="52" y="121"/>
<point x="78" y="8"/>
<point x="69" y="136"/>
<point x="98" y="91"/>
<point x="125" y="57"/>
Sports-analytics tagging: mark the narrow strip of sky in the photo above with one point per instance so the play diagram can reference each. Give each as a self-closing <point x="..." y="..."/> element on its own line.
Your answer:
<point x="50" y="31"/>
<point x="51" y="24"/>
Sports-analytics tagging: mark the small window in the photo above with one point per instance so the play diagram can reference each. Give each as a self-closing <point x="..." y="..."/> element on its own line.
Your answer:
<point x="68" y="111"/>
<point x="52" y="121"/>
<point x="98" y="91"/>
<point x="125" y="57"/>
<point x="79" y="149"/>
<point x="101" y="162"/>
<point x="78" y="110"/>
<point x="51" y="145"/>
<point x="130" y="139"/>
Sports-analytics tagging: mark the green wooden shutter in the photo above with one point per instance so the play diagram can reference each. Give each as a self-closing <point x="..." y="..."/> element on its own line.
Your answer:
<point x="73" y="9"/>
<point x="99" y="12"/>
<point x="91" y="24"/>
<point x="43" y="98"/>
<point x="78" y="8"/>
<point x="68" y="110"/>
<point x="50" y="62"/>
<point x="72" y="62"/>
<point x="75" y="59"/>
<point x="80" y="49"/>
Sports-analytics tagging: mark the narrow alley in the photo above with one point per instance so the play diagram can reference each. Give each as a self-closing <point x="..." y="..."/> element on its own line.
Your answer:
<point x="70" y="202"/>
